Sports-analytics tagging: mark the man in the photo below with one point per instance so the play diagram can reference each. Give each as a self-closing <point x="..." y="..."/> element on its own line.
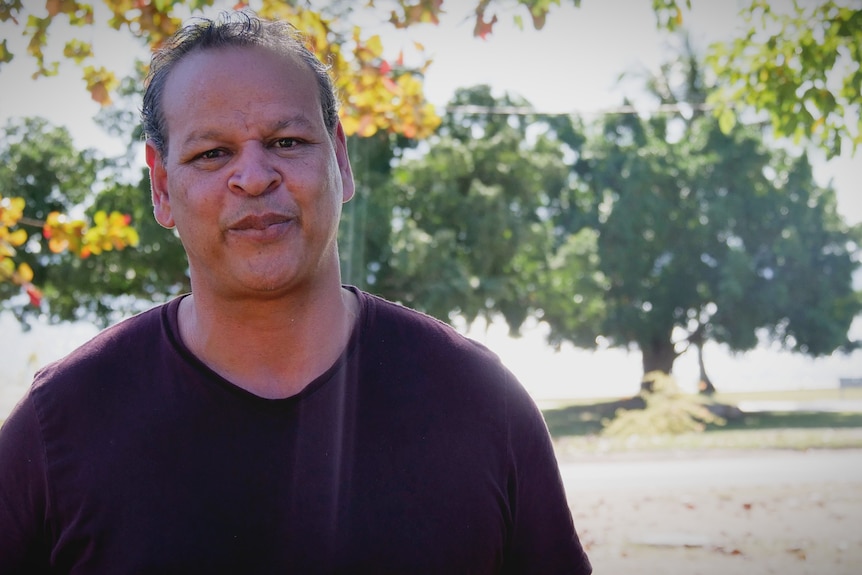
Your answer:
<point x="273" y="420"/>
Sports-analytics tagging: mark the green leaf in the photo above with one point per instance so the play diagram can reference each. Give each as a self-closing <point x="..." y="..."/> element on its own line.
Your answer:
<point x="727" y="120"/>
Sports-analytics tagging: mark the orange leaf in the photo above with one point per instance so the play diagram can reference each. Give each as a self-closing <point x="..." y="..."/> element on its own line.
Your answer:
<point x="53" y="7"/>
<point x="409" y="131"/>
<point x="390" y="85"/>
<point x="99" y="93"/>
<point x="34" y="294"/>
<point x="483" y="28"/>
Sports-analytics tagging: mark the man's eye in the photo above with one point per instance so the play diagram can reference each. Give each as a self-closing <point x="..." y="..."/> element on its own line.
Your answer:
<point x="285" y="143"/>
<point x="211" y="154"/>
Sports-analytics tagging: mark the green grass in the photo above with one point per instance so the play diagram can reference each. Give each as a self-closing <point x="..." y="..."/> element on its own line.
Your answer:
<point x="791" y="395"/>
<point x="575" y="427"/>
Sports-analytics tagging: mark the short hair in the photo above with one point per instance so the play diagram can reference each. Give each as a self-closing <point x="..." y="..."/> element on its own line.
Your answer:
<point x="232" y="29"/>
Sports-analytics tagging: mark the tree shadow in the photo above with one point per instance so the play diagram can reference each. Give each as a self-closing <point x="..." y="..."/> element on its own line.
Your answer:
<point x="586" y="419"/>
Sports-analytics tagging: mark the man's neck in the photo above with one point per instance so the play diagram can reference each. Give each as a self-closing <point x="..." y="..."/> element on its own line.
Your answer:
<point x="272" y="348"/>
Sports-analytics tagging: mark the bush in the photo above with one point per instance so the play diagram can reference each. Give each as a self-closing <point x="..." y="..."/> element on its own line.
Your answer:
<point x="667" y="411"/>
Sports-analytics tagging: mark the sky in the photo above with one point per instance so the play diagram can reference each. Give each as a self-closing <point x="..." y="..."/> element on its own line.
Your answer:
<point x="571" y="66"/>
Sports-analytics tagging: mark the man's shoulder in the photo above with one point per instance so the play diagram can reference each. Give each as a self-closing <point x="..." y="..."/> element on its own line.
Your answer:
<point x="408" y="345"/>
<point x="406" y="327"/>
<point x="121" y="347"/>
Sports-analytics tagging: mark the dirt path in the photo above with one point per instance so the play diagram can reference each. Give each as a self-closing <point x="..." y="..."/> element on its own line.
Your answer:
<point x="802" y="517"/>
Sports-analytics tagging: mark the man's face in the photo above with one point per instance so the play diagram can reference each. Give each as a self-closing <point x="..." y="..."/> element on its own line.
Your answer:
<point x="251" y="179"/>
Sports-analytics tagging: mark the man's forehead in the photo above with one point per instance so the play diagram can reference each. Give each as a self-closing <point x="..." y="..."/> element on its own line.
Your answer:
<point x="216" y="73"/>
<point x="260" y="55"/>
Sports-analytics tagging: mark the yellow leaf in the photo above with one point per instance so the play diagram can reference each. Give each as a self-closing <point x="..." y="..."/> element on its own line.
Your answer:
<point x="7" y="269"/>
<point x="77" y="50"/>
<point x="18" y="237"/>
<point x="100" y="83"/>
<point x="727" y="120"/>
<point x="25" y="273"/>
<point x="350" y="124"/>
<point x="5" y="55"/>
<point x="6" y="250"/>
<point x="375" y="45"/>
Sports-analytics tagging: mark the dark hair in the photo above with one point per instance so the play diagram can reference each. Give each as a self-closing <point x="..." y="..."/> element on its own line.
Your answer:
<point x="237" y="29"/>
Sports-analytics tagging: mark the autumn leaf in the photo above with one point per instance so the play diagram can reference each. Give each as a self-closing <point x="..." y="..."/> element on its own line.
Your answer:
<point x="11" y="210"/>
<point x="100" y="83"/>
<point x="483" y="27"/>
<point x="77" y="50"/>
<point x="7" y="269"/>
<point x="391" y="86"/>
<point x="25" y="273"/>
<point x="17" y="238"/>
<point x="5" y="55"/>
<point x="34" y="294"/>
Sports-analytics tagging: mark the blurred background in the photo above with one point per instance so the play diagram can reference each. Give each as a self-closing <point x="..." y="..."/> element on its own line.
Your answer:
<point x="650" y="210"/>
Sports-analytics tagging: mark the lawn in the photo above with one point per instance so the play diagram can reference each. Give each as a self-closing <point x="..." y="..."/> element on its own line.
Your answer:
<point x="576" y="426"/>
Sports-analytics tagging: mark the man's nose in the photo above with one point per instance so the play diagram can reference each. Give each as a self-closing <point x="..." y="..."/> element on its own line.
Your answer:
<point x="254" y="172"/>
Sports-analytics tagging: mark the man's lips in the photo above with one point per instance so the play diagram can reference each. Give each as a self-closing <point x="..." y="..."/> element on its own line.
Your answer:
<point x="258" y="222"/>
<point x="266" y="228"/>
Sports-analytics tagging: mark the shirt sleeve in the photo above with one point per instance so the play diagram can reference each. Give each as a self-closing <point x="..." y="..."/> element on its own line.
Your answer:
<point x="23" y="493"/>
<point x="544" y="539"/>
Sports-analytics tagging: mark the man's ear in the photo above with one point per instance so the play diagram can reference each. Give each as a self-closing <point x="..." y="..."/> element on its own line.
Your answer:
<point x="348" y="187"/>
<point x="159" y="187"/>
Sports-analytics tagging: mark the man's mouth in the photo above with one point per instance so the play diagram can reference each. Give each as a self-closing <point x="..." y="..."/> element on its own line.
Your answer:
<point x="259" y="222"/>
<point x="261" y="227"/>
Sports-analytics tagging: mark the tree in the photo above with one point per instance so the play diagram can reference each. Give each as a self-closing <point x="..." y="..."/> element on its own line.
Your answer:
<point x="49" y="177"/>
<point x="367" y="220"/>
<point x="801" y="64"/>
<point x="57" y="177"/>
<point x="377" y="95"/>
<point x="660" y="233"/>
<point x="703" y="235"/>
<point x="473" y="220"/>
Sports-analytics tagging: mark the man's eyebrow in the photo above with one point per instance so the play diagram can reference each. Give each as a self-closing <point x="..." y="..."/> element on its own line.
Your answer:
<point x="296" y="121"/>
<point x="203" y="135"/>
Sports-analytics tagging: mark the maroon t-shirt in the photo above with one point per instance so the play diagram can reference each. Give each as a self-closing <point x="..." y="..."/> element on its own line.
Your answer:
<point x="417" y="452"/>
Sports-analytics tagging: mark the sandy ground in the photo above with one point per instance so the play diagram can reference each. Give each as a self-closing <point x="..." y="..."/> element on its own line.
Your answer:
<point x="791" y="524"/>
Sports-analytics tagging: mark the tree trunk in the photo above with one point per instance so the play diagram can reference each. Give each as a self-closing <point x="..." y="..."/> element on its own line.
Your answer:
<point x="657" y="355"/>
<point x="704" y="386"/>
